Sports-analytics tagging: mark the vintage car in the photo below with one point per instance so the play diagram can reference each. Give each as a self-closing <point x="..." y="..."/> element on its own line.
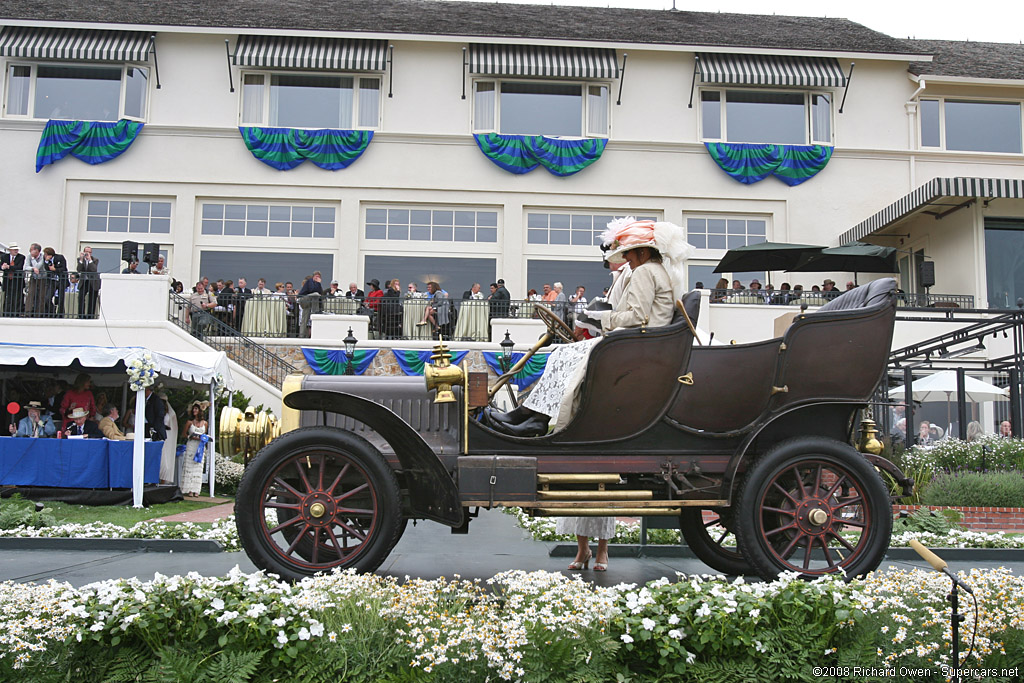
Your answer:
<point x="754" y="437"/>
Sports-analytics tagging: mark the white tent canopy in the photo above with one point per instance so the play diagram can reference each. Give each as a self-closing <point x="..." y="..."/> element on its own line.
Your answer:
<point x="942" y="385"/>
<point x="193" y="367"/>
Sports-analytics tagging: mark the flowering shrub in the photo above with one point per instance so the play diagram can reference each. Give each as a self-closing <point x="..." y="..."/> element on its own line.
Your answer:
<point x="222" y="530"/>
<point x="228" y="475"/>
<point x="988" y="452"/>
<point x="517" y="626"/>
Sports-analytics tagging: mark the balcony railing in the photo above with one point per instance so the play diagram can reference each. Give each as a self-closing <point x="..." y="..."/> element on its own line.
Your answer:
<point x="27" y="294"/>
<point x="208" y="328"/>
<point x="812" y="298"/>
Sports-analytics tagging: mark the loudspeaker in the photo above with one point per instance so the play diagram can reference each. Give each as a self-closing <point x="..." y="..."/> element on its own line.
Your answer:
<point x="129" y="251"/>
<point x="150" y="253"/>
<point x="927" y="274"/>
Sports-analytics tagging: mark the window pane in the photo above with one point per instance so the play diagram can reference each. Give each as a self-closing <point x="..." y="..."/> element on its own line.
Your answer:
<point x="929" y="123"/>
<point x="704" y="275"/>
<point x="280" y="213"/>
<point x="135" y="89"/>
<point x="765" y="117"/>
<point x="323" y="214"/>
<point x="117" y="224"/>
<point x="698" y="241"/>
<point x="161" y="209"/>
<point x="256" y="228"/>
<point x="279" y="229"/>
<point x="96" y="224"/>
<point x="138" y="225"/>
<point x="443" y="217"/>
<point x="983" y="126"/>
<point x="274" y="266"/>
<point x="442" y="234"/>
<point x="483" y="106"/>
<point x="234" y="227"/>
<point x="212" y="227"/>
<point x="139" y="209"/>
<point x="213" y="211"/>
<point x="298" y="101"/>
<point x="541" y="109"/>
<point x="323" y="230"/>
<point x="465" y="218"/>
<point x="1004" y="252"/>
<point x="597" y="110"/>
<point x="821" y="118"/>
<point x="756" y="228"/>
<point x="257" y="212"/>
<point x="236" y="211"/>
<point x="419" y="217"/>
<point x="716" y="241"/>
<point x="302" y="229"/>
<point x="302" y="213"/>
<point x="559" y="237"/>
<point x="119" y="208"/>
<point x="398" y="216"/>
<point x="369" y="102"/>
<point x="465" y="234"/>
<point x="252" y="99"/>
<point x="97" y="208"/>
<point x="161" y="225"/>
<point x="420" y="232"/>
<point x="716" y="225"/>
<point x="589" y="273"/>
<point x="560" y="220"/>
<point x="398" y="232"/>
<point x="534" y="236"/>
<point x="696" y="225"/>
<point x="487" y="235"/>
<point x="376" y="215"/>
<point x="536" y="220"/>
<point x="85" y="93"/>
<point x="711" y="115"/>
<point x="376" y="232"/>
<point x="17" y="90"/>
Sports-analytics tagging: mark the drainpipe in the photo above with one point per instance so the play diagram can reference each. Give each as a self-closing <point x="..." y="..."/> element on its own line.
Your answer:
<point x="911" y="106"/>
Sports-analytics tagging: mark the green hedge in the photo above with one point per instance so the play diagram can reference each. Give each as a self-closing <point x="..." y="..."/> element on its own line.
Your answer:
<point x="976" y="489"/>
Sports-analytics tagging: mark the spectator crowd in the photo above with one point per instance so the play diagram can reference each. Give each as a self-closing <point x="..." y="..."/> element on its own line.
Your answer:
<point x="45" y="284"/>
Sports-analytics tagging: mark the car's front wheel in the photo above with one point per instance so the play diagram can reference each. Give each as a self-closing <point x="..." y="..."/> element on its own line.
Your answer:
<point x="317" y="499"/>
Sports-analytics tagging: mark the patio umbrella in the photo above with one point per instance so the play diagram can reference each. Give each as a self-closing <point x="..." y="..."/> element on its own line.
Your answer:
<point x="943" y="385"/>
<point x="765" y="256"/>
<point x="856" y="257"/>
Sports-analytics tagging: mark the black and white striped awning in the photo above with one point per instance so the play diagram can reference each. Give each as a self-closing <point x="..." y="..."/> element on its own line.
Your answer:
<point x="533" y="60"/>
<point x="732" y="69"/>
<point x="290" y="52"/>
<point x="931" y="192"/>
<point x="75" y="44"/>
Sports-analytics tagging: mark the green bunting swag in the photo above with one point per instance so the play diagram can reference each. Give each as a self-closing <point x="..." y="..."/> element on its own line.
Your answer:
<point x="335" y="361"/>
<point x="91" y="141"/>
<point x="412" y="361"/>
<point x="286" y="148"/>
<point x="530" y="373"/>
<point x="750" y="163"/>
<point x="523" y="153"/>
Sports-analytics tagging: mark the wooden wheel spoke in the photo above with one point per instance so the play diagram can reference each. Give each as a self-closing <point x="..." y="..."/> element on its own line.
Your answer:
<point x="334" y="541"/>
<point x="288" y="487"/>
<point x="791" y="513"/>
<point x="284" y="525"/>
<point x="828" y="555"/>
<point x="786" y="493"/>
<point x="725" y="532"/>
<point x="842" y="541"/>
<point x="282" y="506"/>
<point x="352" y="532"/>
<point x="850" y="522"/>
<point x="835" y="486"/>
<point x="788" y="550"/>
<point x="347" y="494"/>
<point x="316" y="545"/>
<point x="799" y="481"/>
<point x="817" y="478"/>
<point x="298" y="537"/>
<point x="337" y="479"/>
<point x="807" y="552"/>
<point x="354" y="511"/>
<point x="791" y="525"/>
<point x="302" y="475"/>
<point x="321" y="462"/>
<point x="844" y="503"/>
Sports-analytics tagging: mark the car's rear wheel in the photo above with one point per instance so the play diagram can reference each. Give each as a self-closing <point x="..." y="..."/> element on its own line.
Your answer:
<point x="706" y="535"/>
<point x="813" y="506"/>
<point x="317" y="499"/>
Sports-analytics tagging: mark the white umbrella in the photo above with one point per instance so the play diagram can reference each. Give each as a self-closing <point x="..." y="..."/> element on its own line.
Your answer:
<point x="942" y="384"/>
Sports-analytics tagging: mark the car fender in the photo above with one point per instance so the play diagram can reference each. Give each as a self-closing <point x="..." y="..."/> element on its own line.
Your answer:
<point x="432" y="491"/>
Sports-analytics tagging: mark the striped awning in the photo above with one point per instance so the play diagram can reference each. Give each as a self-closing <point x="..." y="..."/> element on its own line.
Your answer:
<point x="732" y="69"/>
<point x="533" y="60"/>
<point x="931" y="192"/>
<point x="290" y="52"/>
<point x="75" y="44"/>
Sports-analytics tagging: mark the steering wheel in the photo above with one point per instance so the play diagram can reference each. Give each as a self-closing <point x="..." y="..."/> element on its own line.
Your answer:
<point x="556" y="326"/>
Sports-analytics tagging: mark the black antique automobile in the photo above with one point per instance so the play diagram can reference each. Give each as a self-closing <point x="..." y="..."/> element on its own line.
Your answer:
<point x="754" y="437"/>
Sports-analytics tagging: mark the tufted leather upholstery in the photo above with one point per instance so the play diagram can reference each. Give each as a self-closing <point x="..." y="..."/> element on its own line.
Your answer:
<point x="873" y="293"/>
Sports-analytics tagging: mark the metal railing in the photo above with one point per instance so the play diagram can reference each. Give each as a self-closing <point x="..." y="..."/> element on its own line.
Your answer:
<point x="53" y="294"/>
<point x="811" y="298"/>
<point x="206" y="327"/>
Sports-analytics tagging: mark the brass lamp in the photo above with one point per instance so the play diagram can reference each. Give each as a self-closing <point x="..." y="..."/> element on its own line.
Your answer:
<point x="441" y="374"/>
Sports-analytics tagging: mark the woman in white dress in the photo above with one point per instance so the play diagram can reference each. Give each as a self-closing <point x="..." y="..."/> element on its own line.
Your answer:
<point x="192" y="471"/>
<point x="646" y="295"/>
<point x="167" y="455"/>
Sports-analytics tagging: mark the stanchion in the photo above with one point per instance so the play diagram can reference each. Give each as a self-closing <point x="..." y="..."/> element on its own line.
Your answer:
<point x="955" y="618"/>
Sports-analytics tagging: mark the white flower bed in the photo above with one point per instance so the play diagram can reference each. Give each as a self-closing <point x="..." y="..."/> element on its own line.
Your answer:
<point x="223" y="530"/>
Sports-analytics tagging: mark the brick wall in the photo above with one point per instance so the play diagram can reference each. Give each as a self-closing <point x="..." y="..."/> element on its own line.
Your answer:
<point x="979" y="518"/>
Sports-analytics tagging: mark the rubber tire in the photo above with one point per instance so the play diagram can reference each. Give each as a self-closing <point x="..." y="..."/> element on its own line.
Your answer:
<point x="249" y="511"/>
<point x="786" y="454"/>
<point x="697" y="539"/>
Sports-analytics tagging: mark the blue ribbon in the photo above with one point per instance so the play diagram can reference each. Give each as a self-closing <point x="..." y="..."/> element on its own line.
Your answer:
<point x="530" y="373"/>
<point x="203" y="440"/>
<point x="412" y="361"/>
<point x="335" y="361"/>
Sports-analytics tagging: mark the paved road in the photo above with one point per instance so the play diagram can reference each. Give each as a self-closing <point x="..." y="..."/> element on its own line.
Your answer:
<point x="428" y="550"/>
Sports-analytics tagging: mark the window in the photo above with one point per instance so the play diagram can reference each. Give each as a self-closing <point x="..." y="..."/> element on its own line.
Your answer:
<point x="109" y="257"/>
<point x="455" y="275"/>
<point x="1004" y="261"/>
<point x="577" y="229"/>
<point x="290" y="100"/>
<point x="77" y="92"/>
<point x="548" y="108"/>
<point x="432" y="225"/>
<point x="268" y="220"/>
<point x="794" y="118"/>
<point x="971" y="126"/>
<point x="590" y="273"/>
<point x="128" y="215"/>
<point x="277" y="267"/>
<point x="725" y="232"/>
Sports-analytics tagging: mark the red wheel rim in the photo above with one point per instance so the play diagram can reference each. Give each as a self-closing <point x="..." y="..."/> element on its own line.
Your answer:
<point x="319" y="510"/>
<point x="710" y="519"/>
<point x="813" y="517"/>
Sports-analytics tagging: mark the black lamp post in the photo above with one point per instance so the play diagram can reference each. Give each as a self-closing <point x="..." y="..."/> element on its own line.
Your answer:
<point x="350" y="351"/>
<point x="506" y="352"/>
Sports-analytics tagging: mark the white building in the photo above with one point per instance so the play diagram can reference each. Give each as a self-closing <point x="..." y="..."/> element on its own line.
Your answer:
<point x="650" y="88"/>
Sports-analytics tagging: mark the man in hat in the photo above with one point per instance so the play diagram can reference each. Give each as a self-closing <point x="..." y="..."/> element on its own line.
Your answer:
<point x="12" y="265"/>
<point x="36" y="425"/>
<point x="499" y="300"/>
<point x="830" y="287"/>
<point x="81" y="425"/>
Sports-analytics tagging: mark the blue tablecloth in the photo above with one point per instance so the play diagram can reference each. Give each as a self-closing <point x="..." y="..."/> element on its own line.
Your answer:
<point x="74" y="463"/>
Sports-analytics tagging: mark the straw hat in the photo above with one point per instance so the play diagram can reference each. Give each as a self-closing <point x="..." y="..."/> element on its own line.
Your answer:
<point x="34" y="404"/>
<point x="78" y="412"/>
<point x="13" y="245"/>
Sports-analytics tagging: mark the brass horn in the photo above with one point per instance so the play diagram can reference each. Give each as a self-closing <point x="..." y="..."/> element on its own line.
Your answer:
<point x="441" y="375"/>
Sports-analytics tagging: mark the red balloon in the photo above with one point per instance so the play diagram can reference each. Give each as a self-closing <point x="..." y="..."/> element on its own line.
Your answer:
<point x="13" y="408"/>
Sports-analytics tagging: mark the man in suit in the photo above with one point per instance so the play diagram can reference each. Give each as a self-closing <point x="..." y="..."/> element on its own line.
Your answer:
<point x="35" y="274"/>
<point x="473" y="292"/>
<point x="12" y="264"/>
<point x="309" y="301"/>
<point x="354" y="292"/>
<point x="81" y="425"/>
<point x="243" y="292"/>
<point x="499" y="300"/>
<point x="56" y="268"/>
<point x="36" y="425"/>
<point x="155" y="412"/>
<point x="108" y="425"/>
<point x="89" y="282"/>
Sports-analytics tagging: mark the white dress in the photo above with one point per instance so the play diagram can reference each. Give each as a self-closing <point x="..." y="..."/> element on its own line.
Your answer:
<point x="192" y="471"/>
<point x="593" y="527"/>
<point x="167" y="455"/>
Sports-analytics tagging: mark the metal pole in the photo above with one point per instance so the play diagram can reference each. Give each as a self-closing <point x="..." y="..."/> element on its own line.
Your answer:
<point x="1015" y="426"/>
<point x="908" y="399"/>
<point x="139" y="448"/>
<point x="961" y="404"/>
<point x="213" y="435"/>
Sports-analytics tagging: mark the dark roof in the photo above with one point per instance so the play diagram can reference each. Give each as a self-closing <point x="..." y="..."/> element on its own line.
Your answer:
<point x="970" y="59"/>
<point x="474" y="19"/>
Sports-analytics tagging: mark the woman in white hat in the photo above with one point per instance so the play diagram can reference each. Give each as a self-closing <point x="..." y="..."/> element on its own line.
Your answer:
<point x="194" y="430"/>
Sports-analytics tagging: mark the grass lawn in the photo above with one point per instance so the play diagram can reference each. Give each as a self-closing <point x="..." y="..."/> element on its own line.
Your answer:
<point x="125" y="516"/>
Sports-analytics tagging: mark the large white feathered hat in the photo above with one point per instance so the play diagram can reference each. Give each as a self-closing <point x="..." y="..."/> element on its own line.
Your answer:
<point x="628" y="233"/>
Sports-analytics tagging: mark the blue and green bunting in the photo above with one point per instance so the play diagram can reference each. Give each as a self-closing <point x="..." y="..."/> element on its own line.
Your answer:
<point x="749" y="163"/>
<point x="530" y="373"/>
<point x="286" y="148"/>
<point x="523" y="153"/>
<point x="412" y="361"/>
<point x="91" y="141"/>
<point x="334" y="361"/>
